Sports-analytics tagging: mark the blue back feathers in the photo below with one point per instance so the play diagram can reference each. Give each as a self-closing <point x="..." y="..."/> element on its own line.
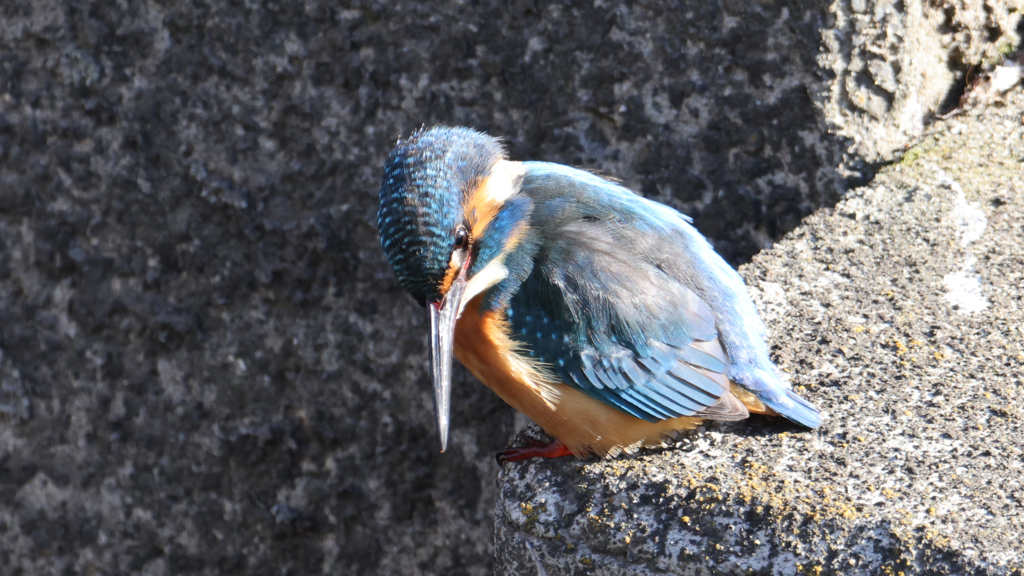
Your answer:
<point x="425" y="179"/>
<point x="627" y="302"/>
<point x="600" y="305"/>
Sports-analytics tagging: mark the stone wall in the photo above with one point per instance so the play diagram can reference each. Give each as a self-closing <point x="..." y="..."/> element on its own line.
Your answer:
<point x="206" y="366"/>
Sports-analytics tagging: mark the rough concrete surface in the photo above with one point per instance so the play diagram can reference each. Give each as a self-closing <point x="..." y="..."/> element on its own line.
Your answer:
<point x="901" y="314"/>
<point x="894" y="63"/>
<point x="206" y="366"/>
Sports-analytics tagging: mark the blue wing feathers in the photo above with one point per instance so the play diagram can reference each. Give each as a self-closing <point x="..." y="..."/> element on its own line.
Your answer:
<point x="683" y="403"/>
<point x="633" y="373"/>
<point x="603" y="297"/>
<point x="606" y="377"/>
<point x="624" y="405"/>
<point x="701" y="359"/>
<point x="648" y="403"/>
<point x="661" y="358"/>
<point x="591" y="378"/>
<point x="699" y="386"/>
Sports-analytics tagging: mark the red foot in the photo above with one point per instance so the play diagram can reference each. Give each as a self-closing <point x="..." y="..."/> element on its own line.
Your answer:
<point x="536" y="449"/>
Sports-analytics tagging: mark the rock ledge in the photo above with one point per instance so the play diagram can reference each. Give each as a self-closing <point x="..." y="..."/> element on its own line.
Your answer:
<point x="900" y="314"/>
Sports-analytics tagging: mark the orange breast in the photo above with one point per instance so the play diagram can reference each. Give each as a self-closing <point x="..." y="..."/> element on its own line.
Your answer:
<point x="583" y="424"/>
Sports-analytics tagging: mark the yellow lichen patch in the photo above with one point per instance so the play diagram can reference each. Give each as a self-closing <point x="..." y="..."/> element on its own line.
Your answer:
<point x="764" y="489"/>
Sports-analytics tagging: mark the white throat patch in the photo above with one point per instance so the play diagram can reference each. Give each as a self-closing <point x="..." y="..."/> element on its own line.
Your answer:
<point x="493" y="273"/>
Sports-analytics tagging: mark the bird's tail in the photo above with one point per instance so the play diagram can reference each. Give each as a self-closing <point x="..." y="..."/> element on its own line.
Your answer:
<point x="773" y="393"/>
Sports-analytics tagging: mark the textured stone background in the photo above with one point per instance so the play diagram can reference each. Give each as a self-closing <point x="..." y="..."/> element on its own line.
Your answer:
<point x="893" y="65"/>
<point x="205" y="365"/>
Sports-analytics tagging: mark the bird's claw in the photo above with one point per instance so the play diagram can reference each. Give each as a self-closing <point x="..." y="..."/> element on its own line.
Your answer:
<point x="535" y="449"/>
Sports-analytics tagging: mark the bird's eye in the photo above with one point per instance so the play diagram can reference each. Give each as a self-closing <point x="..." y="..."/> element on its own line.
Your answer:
<point x="461" y="238"/>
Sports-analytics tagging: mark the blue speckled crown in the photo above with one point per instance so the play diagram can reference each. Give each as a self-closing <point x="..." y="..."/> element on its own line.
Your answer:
<point x="425" y="178"/>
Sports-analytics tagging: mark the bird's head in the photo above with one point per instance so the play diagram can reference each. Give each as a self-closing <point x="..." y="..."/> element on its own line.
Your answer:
<point x="440" y="200"/>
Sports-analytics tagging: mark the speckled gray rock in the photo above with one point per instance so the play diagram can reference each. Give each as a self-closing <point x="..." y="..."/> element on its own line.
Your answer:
<point x="205" y="365"/>
<point x="901" y="314"/>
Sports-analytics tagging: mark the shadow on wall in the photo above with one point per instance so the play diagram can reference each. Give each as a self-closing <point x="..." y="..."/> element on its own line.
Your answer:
<point x="707" y="110"/>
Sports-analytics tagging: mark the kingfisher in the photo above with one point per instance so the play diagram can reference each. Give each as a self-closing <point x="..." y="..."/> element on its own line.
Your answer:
<point x="603" y="316"/>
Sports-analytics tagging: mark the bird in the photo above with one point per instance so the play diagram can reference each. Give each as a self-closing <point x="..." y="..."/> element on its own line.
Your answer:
<point x="603" y="316"/>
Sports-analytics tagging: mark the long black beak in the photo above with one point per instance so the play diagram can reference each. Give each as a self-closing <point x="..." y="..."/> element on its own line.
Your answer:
<point x="443" y="315"/>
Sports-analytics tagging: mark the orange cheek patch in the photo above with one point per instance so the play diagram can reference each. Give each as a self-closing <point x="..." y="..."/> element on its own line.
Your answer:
<point x="449" y="277"/>
<point x="479" y="209"/>
<point x="487" y="195"/>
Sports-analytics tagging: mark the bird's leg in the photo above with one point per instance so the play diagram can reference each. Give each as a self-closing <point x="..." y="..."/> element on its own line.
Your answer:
<point x="536" y="449"/>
